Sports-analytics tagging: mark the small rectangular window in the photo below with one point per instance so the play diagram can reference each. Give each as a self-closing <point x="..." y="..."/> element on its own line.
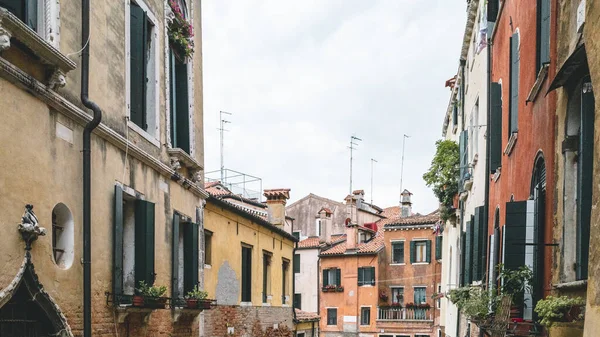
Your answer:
<point x="300" y="334"/>
<point x="397" y="295"/>
<point x="398" y="252"/>
<point x="366" y="276"/>
<point x="296" y="234"/>
<point x="421" y="250"/>
<point x="332" y="277"/>
<point x="296" y="263"/>
<point x="365" y="316"/>
<point x="332" y="316"/>
<point x="246" y="274"/>
<point x="298" y="301"/>
<point x="207" y="247"/>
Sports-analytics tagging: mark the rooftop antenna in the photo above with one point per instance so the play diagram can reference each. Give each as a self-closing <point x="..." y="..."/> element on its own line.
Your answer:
<point x="372" y="161"/>
<point x="222" y="129"/>
<point x="402" y="165"/>
<point x="351" y="147"/>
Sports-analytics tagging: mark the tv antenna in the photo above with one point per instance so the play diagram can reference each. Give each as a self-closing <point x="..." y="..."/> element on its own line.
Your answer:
<point x="372" y="161"/>
<point x="402" y="165"/>
<point x="222" y="130"/>
<point x="351" y="147"/>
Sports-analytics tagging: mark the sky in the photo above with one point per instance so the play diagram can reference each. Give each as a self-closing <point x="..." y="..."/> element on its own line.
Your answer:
<point x="301" y="77"/>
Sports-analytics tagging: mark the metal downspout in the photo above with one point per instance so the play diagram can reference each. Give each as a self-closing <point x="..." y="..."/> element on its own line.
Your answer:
<point x="87" y="188"/>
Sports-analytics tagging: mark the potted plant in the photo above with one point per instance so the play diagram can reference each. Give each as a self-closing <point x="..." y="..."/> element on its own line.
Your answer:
<point x="396" y="304"/>
<point x="152" y="295"/>
<point x="196" y="297"/>
<point x="424" y="306"/>
<point x="383" y="296"/>
<point x="559" y="309"/>
<point x="516" y="283"/>
<point x="180" y="33"/>
<point x="410" y="305"/>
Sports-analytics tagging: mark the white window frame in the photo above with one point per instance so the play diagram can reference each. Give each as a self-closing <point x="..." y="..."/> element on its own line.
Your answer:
<point x="417" y="241"/>
<point x="414" y="291"/>
<point x="48" y="25"/>
<point x="361" y="316"/>
<point x="392" y="294"/>
<point x="392" y="263"/>
<point x="152" y="100"/>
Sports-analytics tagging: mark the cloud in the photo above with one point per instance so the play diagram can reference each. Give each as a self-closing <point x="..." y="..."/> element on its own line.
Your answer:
<point x="301" y="77"/>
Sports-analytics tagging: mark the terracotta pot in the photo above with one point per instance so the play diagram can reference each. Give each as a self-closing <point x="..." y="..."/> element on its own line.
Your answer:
<point x="138" y="301"/>
<point x="155" y="302"/>
<point x="203" y="304"/>
<point x="191" y="303"/>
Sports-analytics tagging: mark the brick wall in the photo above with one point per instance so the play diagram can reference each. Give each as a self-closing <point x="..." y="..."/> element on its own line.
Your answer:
<point x="243" y="319"/>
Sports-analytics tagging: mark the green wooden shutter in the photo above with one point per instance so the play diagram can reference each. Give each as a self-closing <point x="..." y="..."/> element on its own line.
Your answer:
<point x="246" y="274"/>
<point x="483" y="236"/>
<point x="190" y="256"/>
<point x="183" y="111"/>
<point x="428" y="251"/>
<point x="372" y="276"/>
<point x="585" y="180"/>
<point x="463" y="258"/>
<point x="137" y="65"/>
<point x="544" y="31"/>
<point x="476" y="244"/>
<point x="118" y="242"/>
<point x="361" y="276"/>
<point x="438" y="247"/>
<point x="492" y="10"/>
<point x="144" y="242"/>
<point x="468" y="266"/>
<point x="495" y="127"/>
<point x="325" y="277"/>
<point x="296" y="263"/>
<point x="413" y="253"/>
<point x="175" y="258"/>
<point x="17" y="7"/>
<point x="514" y="235"/>
<point x="514" y="84"/>
<point x="455" y="114"/>
<point x="338" y="277"/>
<point x="464" y="155"/>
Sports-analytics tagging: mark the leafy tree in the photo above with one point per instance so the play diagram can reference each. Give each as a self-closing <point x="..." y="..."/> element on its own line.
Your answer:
<point x="442" y="175"/>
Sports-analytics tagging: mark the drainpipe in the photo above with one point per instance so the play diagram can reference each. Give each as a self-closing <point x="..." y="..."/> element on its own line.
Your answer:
<point x="87" y="188"/>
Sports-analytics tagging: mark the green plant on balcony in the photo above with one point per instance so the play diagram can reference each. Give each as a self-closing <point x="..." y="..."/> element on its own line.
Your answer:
<point x="515" y="283"/>
<point x="196" y="298"/>
<point x="473" y="302"/>
<point x="442" y="176"/>
<point x="151" y="296"/>
<point x="559" y="309"/>
<point x="180" y="33"/>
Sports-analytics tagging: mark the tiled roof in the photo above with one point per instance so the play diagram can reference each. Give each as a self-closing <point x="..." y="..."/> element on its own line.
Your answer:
<point x="417" y="219"/>
<point x="304" y="316"/>
<point x="277" y="193"/>
<point x="311" y="242"/>
<point x="327" y="210"/>
<point x="215" y="188"/>
<point x="335" y="238"/>
<point x="391" y="212"/>
<point x="370" y="247"/>
<point x="355" y="192"/>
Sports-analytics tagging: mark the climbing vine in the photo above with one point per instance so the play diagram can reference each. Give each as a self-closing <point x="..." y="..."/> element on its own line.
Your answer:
<point x="442" y="175"/>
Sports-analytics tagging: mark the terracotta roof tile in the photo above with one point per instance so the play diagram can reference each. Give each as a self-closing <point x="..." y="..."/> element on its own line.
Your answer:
<point x="417" y="219"/>
<point x="373" y="246"/>
<point x="327" y="210"/>
<point x="304" y="316"/>
<point x="391" y="212"/>
<point x="311" y="242"/>
<point x="277" y="193"/>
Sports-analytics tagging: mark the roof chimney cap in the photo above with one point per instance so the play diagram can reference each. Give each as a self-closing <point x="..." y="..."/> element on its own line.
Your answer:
<point x="277" y="194"/>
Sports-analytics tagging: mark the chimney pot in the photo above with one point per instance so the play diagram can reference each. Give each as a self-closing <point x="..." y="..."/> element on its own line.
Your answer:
<point x="276" y="200"/>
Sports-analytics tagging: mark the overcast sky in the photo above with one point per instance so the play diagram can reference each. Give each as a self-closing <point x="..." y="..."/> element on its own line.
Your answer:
<point x="301" y="77"/>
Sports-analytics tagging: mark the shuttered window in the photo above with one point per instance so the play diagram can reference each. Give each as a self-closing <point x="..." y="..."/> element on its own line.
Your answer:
<point x="138" y="62"/>
<point x="479" y="244"/>
<point x="468" y="266"/>
<point x="180" y="116"/>
<point x="144" y="242"/>
<point x="455" y="114"/>
<point x="514" y="235"/>
<point x="514" y="85"/>
<point x="493" y="7"/>
<point x="246" y="274"/>
<point x="296" y="263"/>
<point x="25" y="10"/>
<point x="543" y="31"/>
<point x="398" y="252"/>
<point x="495" y="127"/>
<point x="190" y="256"/>
<point x="366" y="276"/>
<point x="117" y="280"/>
<point x="332" y="276"/>
<point x="438" y="247"/>
<point x="420" y="251"/>
<point x="464" y="155"/>
<point x="463" y="259"/>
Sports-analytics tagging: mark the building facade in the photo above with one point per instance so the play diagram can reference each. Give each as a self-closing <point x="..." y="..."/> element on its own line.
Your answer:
<point x="146" y="166"/>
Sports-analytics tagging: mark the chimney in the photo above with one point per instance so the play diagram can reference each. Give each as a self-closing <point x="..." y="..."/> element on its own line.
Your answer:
<point x="405" y="204"/>
<point x="324" y="215"/>
<point x="276" y="200"/>
<point x="352" y="218"/>
<point x="351" y="235"/>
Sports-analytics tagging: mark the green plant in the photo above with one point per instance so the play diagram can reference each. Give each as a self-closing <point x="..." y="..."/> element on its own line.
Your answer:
<point x="473" y="302"/>
<point x="180" y="33"/>
<point x="515" y="283"/>
<point x="554" y="309"/>
<point x="442" y="175"/>
<point x="150" y="291"/>
<point x="196" y="294"/>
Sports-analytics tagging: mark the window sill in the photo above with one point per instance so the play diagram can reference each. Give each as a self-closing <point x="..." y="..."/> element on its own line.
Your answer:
<point x="419" y="263"/>
<point x="537" y="85"/>
<point x="143" y="133"/>
<point x="571" y="285"/>
<point x="397" y="264"/>
<point x="266" y="304"/>
<point x="511" y="143"/>
<point x="366" y="286"/>
<point x="53" y="60"/>
<point x="496" y="175"/>
<point x="207" y="266"/>
<point x="245" y="304"/>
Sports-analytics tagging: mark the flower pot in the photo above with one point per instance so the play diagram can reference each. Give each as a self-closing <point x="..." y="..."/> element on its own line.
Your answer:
<point x="191" y="303"/>
<point x="155" y="302"/>
<point x="138" y="301"/>
<point x="573" y="313"/>
<point x="204" y="304"/>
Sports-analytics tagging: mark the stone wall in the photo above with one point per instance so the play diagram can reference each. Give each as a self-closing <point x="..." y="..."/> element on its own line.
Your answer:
<point x="242" y="320"/>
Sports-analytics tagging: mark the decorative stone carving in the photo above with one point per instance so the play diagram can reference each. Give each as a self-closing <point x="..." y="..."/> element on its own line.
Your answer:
<point x="5" y="36"/>
<point x="57" y="80"/>
<point x="175" y="164"/>
<point x="29" y="228"/>
<point x="197" y="176"/>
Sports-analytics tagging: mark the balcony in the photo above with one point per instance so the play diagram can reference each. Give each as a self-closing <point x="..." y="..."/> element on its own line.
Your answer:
<point x="392" y="314"/>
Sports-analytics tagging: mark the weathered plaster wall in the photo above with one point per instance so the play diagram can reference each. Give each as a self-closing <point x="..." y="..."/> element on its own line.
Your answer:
<point x="307" y="280"/>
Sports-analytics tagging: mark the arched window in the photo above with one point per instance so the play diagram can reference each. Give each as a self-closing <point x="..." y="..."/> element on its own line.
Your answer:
<point x="62" y="236"/>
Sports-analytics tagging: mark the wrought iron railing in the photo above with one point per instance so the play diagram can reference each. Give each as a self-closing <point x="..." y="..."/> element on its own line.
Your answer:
<point x="403" y="314"/>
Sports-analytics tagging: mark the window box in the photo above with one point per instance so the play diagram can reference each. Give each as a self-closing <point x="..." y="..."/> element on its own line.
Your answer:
<point x="333" y="289"/>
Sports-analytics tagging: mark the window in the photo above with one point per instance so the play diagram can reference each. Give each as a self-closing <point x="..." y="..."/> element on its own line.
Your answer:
<point x="296" y="234"/>
<point x="318" y="227"/>
<point x="184" y="255"/>
<point x="514" y="85"/>
<point x="179" y="104"/>
<point x="25" y="10"/>
<point x="285" y="268"/>
<point x="420" y="251"/>
<point x="246" y="273"/>
<point x="208" y="247"/>
<point x="266" y="276"/>
<point x="420" y="295"/>
<point x="133" y="246"/>
<point x="422" y="336"/>
<point x="438" y="247"/>
<point x="495" y="127"/>
<point x="543" y="33"/>
<point x="298" y="301"/>
<point x="300" y="334"/>
<point x="365" y="316"/>
<point x="398" y="252"/>
<point x="296" y="263"/>
<point x="143" y="67"/>
<point x="464" y="158"/>
<point x="332" y="277"/>
<point x="332" y="316"/>
<point x="397" y="295"/>
<point x="62" y="236"/>
<point x="366" y="276"/>
<point x="474" y="136"/>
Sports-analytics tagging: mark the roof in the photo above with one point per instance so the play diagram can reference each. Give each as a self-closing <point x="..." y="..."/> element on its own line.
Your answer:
<point x="335" y="238"/>
<point x="311" y="242"/>
<point x="327" y="210"/>
<point x="216" y="188"/>
<point x="366" y="248"/>
<point x="417" y="219"/>
<point x="355" y="192"/>
<point x="391" y="212"/>
<point x="304" y="316"/>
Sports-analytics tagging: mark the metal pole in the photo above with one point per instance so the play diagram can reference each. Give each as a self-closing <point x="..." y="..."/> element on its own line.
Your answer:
<point x="352" y="139"/>
<point x="372" y="161"/>
<point x="402" y="166"/>
<point x="222" y="129"/>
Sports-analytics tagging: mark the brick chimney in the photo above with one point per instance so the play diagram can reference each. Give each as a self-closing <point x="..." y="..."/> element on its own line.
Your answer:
<point x="324" y="215"/>
<point x="352" y="218"/>
<point x="276" y="200"/>
<point x="405" y="204"/>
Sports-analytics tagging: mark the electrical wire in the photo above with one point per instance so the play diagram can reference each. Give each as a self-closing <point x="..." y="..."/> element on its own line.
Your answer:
<point x="81" y="50"/>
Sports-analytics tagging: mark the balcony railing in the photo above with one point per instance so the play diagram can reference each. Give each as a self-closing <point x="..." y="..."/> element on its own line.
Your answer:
<point x="403" y="314"/>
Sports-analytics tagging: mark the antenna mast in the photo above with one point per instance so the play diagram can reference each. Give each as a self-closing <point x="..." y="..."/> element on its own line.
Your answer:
<point x="222" y="130"/>
<point x="351" y="147"/>
<point x="402" y="165"/>
<point x="372" y="161"/>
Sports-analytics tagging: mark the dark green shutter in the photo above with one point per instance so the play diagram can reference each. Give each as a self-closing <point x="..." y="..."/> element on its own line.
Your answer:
<point x="468" y="266"/>
<point x="483" y="238"/>
<point x="296" y="235"/>
<point x="463" y="258"/>
<point x="585" y="179"/>
<point x="455" y="114"/>
<point x="144" y="242"/>
<point x="361" y="276"/>
<point x="544" y="31"/>
<point x="296" y="263"/>
<point x="180" y="116"/>
<point x="190" y="256"/>
<point x="338" y="277"/>
<point x="325" y="277"/>
<point x="476" y="244"/>
<point x="514" y="235"/>
<point x="492" y="10"/>
<point x="246" y="274"/>
<point x="413" y="253"/>
<point x="495" y="127"/>
<point x="175" y="258"/>
<point x="372" y="279"/>
<point x="428" y="251"/>
<point x="438" y="247"/>
<point x="514" y="84"/>
<point x="137" y="65"/>
<point x="464" y="155"/>
<point x="298" y="301"/>
<point x="118" y="242"/>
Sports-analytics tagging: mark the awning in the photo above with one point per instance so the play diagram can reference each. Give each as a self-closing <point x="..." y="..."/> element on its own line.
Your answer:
<point x="574" y="67"/>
